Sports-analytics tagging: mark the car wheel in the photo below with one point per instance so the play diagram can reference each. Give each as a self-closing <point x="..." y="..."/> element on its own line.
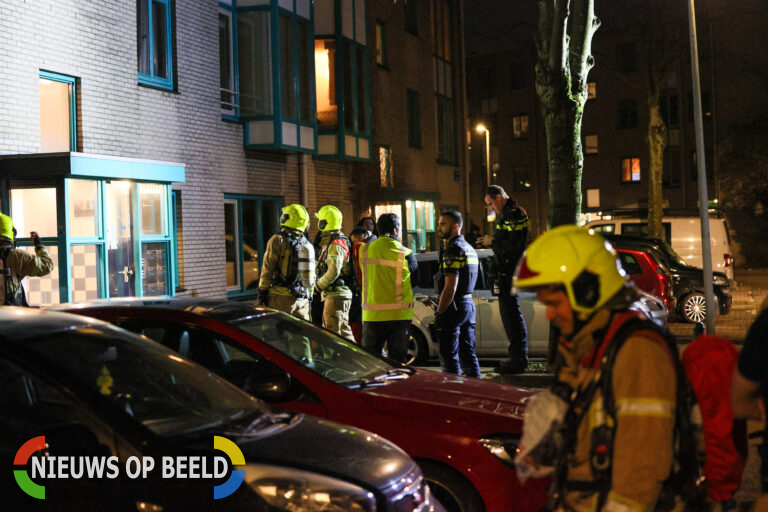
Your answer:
<point x="694" y="308"/>
<point x="452" y="490"/>
<point x="418" y="351"/>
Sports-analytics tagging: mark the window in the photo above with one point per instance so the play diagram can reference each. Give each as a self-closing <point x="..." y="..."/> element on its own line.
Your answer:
<point x="249" y="223"/>
<point x="520" y="126"/>
<point x="523" y="179"/>
<point x="593" y="198"/>
<point x="380" y="41"/>
<point x="669" y="107"/>
<point x="591" y="90"/>
<point x="420" y="225"/>
<point x="227" y="63"/>
<point x="155" y="59"/>
<point x="342" y="79"/>
<point x="630" y="169"/>
<point x="58" y="113"/>
<point x="516" y="75"/>
<point x="629" y="263"/>
<point x="254" y="60"/>
<point x="446" y="109"/>
<point x="411" y="17"/>
<point x="385" y="168"/>
<point x="414" y="118"/>
<point x="627" y="113"/>
<point x="673" y="165"/>
<point x="590" y="144"/>
<point x="625" y="58"/>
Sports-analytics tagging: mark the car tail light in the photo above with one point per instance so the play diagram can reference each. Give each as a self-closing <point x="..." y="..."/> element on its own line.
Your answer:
<point x="666" y="287"/>
<point x="728" y="260"/>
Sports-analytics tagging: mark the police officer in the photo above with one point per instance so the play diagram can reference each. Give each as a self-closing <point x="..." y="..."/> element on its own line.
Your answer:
<point x="288" y="271"/>
<point x="455" y="316"/>
<point x="18" y="264"/>
<point x="509" y="237"/>
<point x="334" y="272"/>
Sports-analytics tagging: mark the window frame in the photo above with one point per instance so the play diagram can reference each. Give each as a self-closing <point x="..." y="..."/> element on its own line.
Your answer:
<point x="413" y="117"/>
<point x="241" y="290"/>
<point x="380" y="43"/>
<point x="386" y="178"/>
<point x="445" y="103"/>
<point x="71" y="81"/>
<point x="521" y="134"/>
<point x="152" y="80"/>
<point x="233" y="113"/>
<point x="640" y="170"/>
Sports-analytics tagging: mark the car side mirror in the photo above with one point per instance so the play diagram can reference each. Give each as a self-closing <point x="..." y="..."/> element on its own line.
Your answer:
<point x="260" y="379"/>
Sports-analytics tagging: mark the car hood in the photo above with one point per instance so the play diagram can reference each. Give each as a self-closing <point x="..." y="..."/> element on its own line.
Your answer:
<point x="328" y="448"/>
<point x="457" y="398"/>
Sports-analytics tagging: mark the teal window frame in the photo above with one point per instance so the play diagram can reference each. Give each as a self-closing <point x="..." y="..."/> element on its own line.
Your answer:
<point x="351" y="53"/>
<point x="153" y="79"/>
<point x="447" y="133"/>
<point x="238" y="199"/>
<point x="232" y="114"/>
<point x="413" y="114"/>
<point x="72" y="83"/>
<point x="302" y="89"/>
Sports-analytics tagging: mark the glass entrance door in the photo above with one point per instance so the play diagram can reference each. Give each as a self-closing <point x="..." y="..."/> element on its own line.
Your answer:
<point x="120" y="238"/>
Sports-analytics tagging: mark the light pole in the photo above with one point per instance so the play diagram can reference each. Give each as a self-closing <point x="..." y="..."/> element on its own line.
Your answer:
<point x="480" y="129"/>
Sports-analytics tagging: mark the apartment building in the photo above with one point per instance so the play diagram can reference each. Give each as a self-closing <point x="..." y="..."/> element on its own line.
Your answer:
<point x="152" y="143"/>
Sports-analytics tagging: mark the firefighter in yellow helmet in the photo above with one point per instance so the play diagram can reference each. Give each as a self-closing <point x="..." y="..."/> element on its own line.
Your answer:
<point x="288" y="272"/>
<point x="335" y="272"/>
<point x="616" y="375"/>
<point x="18" y="263"/>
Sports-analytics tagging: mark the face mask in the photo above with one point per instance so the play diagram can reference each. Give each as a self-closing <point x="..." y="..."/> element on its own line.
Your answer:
<point x="322" y="224"/>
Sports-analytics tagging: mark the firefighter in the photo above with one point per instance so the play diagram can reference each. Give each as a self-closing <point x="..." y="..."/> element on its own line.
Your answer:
<point x="18" y="263"/>
<point x="509" y="237"/>
<point x="335" y="272"/>
<point x="618" y="378"/>
<point x="455" y="314"/>
<point x="288" y="272"/>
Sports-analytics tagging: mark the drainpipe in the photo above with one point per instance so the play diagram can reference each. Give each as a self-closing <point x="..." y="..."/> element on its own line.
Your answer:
<point x="465" y="110"/>
<point x="303" y="184"/>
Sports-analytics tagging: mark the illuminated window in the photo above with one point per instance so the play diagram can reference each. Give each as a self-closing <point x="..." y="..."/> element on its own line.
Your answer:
<point x="420" y="225"/>
<point x="155" y="59"/>
<point x="385" y="167"/>
<point x="591" y="90"/>
<point x="590" y="144"/>
<point x="630" y="169"/>
<point x="380" y="40"/>
<point x="58" y="123"/>
<point x="520" y="126"/>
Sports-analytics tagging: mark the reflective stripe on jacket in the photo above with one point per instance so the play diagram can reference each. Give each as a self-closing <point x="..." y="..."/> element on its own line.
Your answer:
<point x="387" y="292"/>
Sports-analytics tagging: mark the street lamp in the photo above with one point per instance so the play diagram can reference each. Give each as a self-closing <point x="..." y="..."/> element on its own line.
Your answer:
<point x="480" y="129"/>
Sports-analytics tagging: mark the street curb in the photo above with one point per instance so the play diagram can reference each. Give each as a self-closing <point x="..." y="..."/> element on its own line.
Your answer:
<point x="523" y="380"/>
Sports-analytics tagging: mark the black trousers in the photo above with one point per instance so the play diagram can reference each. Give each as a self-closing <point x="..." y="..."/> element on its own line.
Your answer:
<point x="392" y="332"/>
<point x="512" y="319"/>
<point x="456" y="336"/>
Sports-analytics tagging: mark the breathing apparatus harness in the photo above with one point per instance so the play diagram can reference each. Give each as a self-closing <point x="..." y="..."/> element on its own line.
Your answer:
<point x="291" y="280"/>
<point x="13" y="297"/>
<point x="348" y="279"/>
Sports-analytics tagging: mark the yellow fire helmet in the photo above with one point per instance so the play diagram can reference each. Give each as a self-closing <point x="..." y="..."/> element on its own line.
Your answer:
<point x="580" y="260"/>
<point x="6" y="226"/>
<point x="329" y="217"/>
<point x="295" y="216"/>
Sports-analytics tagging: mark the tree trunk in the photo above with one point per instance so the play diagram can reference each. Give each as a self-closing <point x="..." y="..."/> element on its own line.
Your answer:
<point x="657" y="141"/>
<point x="563" y="46"/>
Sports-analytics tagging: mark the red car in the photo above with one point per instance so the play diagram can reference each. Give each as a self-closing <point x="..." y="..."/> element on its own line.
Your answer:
<point x="648" y="275"/>
<point x="463" y="432"/>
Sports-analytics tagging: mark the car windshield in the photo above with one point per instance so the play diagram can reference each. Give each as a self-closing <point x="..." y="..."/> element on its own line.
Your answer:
<point x="155" y="386"/>
<point x="326" y="354"/>
<point x="670" y="253"/>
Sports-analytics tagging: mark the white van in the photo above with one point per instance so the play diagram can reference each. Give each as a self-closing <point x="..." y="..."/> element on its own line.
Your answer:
<point x="683" y="233"/>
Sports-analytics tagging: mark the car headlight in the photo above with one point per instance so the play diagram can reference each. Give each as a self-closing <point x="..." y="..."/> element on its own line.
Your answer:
<point x="720" y="280"/>
<point x="502" y="446"/>
<point x="303" y="491"/>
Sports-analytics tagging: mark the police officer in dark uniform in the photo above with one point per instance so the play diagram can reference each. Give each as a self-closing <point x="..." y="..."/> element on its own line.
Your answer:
<point x="455" y="315"/>
<point x="509" y="237"/>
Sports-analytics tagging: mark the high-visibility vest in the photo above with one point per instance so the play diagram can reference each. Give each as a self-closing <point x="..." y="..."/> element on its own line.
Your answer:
<point x="387" y="292"/>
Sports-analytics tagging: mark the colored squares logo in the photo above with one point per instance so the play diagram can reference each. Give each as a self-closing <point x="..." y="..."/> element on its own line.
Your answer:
<point x="21" y="459"/>
<point x="237" y="459"/>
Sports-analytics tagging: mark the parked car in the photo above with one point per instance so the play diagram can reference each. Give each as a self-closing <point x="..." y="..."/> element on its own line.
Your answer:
<point x="463" y="432"/>
<point x="93" y="390"/>
<point x="687" y="281"/>
<point x="683" y="233"/>
<point x="491" y="339"/>
<point x="647" y="273"/>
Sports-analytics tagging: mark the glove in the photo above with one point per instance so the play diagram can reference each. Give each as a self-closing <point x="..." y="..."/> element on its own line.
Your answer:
<point x="261" y="300"/>
<point x="35" y="239"/>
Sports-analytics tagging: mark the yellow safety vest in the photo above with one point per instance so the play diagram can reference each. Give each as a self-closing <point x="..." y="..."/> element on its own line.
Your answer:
<point x="387" y="292"/>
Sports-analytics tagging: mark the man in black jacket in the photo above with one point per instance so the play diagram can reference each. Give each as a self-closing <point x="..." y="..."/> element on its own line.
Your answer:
<point x="509" y="238"/>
